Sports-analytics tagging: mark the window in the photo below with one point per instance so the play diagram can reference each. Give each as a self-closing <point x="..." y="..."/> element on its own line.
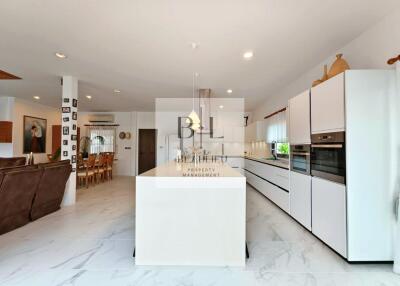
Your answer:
<point x="282" y="148"/>
<point x="102" y="139"/>
<point x="276" y="128"/>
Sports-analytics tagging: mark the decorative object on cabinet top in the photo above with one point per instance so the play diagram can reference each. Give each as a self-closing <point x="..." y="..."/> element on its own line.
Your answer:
<point x="339" y="65"/>
<point x="393" y="60"/>
<point x="122" y="135"/>
<point x="128" y="135"/>
<point x="324" y="77"/>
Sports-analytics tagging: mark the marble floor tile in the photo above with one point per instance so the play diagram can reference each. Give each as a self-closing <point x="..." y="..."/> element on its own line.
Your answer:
<point x="91" y="243"/>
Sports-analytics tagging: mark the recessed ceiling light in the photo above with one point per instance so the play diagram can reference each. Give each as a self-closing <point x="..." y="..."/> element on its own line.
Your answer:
<point x="194" y="45"/>
<point x="89" y="97"/>
<point x="229" y="91"/>
<point x="60" y="55"/>
<point x="221" y="106"/>
<point x="248" y="55"/>
<point x="117" y="91"/>
<point x="36" y="97"/>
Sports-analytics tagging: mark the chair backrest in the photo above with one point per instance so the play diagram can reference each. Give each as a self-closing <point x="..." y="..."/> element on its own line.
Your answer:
<point x="16" y="194"/>
<point x="102" y="160"/>
<point x="110" y="159"/>
<point x="12" y="162"/>
<point x="91" y="161"/>
<point x="50" y="191"/>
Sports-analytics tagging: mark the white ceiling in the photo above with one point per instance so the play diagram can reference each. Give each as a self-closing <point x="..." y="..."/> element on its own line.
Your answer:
<point x="143" y="47"/>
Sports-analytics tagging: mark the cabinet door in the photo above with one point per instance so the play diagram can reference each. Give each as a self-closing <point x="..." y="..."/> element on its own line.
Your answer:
<point x="329" y="213"/>
<point x="300" y="198"/>
<point x="299" y="119"/>
<point x="327" y="106"/>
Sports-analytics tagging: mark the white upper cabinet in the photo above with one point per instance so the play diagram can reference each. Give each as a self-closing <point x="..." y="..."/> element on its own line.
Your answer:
<point x="255" y="131"/>
<point x="327" y="106"/>
<point x="299" y="119"/>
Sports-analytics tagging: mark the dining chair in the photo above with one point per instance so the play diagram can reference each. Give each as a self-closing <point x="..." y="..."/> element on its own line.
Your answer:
<point x="110" y="162"/>
<point x="88" y="171"/>
<point x="101" y="167"/>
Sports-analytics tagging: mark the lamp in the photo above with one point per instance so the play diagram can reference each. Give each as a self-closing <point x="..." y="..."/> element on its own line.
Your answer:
<point x="193" y="118"/>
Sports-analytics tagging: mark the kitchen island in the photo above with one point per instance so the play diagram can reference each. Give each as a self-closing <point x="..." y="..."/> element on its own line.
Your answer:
<point x="189" y="214"/>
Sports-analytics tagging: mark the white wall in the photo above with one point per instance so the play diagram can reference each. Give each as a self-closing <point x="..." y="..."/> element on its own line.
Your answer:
<point x="370" y="50"/>
<point x="21" y="108"/>
<point x="126" y="158"/>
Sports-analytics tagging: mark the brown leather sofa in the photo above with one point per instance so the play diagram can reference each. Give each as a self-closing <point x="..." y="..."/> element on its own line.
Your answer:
<point x="30" y="192"/>
<point x="12" y="162"/>
<point x="50" y="191"/>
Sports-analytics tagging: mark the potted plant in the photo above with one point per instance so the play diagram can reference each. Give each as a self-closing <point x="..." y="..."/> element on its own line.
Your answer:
<point x="84" y="144"/>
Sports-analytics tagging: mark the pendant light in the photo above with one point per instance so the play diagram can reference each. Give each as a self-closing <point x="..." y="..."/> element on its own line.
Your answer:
<point x="193" y="117"/>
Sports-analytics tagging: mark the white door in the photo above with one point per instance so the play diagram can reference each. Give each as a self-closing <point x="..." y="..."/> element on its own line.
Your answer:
<point x="299" y="119"/>
<point x="329" y="213"/>
<point x="300" y="198"/>
<point x="327" y="106"/>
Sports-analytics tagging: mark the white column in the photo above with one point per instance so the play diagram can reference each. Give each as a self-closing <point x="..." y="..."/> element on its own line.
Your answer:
<point x="395" y="108"/>
<point x="69" y="114"/>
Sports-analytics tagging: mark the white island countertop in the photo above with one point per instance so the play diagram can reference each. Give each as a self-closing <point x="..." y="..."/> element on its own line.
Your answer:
<point x="175" y="169"/>
<point x="189" y="214"/>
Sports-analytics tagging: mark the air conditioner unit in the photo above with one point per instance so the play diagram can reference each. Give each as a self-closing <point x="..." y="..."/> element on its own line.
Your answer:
<point x="101" y="118"/>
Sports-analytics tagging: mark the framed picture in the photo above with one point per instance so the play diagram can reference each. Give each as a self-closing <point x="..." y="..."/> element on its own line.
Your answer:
<point x="65" y="119"/>
<point x="65" y="130"/>
<point x="34" y="136"/>
<point x="66" y="100"/>
<point x="65" y="153"/>
<point x="74" y="103"/>
<point x="73" y="159"/>
<point x="74" y="115"/>
<point x="73" y="147"/>
<point x="66" y="110"/>
<point x="74" y="137"/>
<point x="65" y="142"/>
<point x="73" y="126"/>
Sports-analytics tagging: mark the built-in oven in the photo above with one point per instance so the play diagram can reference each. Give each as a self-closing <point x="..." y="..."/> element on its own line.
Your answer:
<point x="300" y="159"/>
<point x="328" y="156"/>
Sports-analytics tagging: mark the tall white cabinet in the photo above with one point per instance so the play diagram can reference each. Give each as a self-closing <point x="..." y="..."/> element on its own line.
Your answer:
<point x="299" y="119"/>
<point x="327" y="106"/>
<point x="300" y="198"/>
<point x="329" y="213"/>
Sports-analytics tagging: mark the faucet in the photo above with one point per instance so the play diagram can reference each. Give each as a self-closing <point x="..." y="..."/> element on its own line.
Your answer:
<point x="273" y="150"/>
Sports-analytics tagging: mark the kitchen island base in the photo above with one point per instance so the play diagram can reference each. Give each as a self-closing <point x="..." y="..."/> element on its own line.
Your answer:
<point x="191" y="220"/>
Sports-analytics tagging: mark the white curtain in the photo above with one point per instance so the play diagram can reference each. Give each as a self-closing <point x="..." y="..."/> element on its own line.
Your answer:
<point x="102" y="139"/>
<point x="276" y="128"/>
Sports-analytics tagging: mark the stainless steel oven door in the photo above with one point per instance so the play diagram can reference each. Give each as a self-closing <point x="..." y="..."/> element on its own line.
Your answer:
<point x="328" y="161"/>
<point x="300" y="159"/>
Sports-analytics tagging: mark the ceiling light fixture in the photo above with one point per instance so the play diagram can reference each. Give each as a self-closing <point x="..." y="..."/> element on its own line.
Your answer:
<point x="221" y="106"/>
<point x="89" y="97"/>
<point x="229" y="91"/>
<point x="60" y="55"/>
<point x="117" y="91"/>
<point x="36" y="97"/>
<point x="194" y="45"/>
<point x="193" y="118"/>
<point x="248" y="55"/>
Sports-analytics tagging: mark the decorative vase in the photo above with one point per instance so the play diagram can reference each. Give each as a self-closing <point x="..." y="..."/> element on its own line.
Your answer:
<point x="338" y="66"/>
<point x="324" y="77"/>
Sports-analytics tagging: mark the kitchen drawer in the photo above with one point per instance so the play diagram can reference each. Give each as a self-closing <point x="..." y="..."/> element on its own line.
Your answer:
<point x="273" y="174"/>
<point x="275" y="194"/>
<point x="235" y="162"/>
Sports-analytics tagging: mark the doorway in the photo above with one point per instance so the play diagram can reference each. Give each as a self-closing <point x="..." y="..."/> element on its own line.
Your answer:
<point x="147" y="149"/>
